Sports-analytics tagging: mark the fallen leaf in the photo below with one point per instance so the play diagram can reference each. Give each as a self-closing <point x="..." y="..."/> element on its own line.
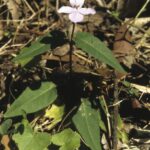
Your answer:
<point x="136" y="104"/>
<point x="123" y="48"/>
<point x="5" y="142"/>
<point x="61" y="50"/>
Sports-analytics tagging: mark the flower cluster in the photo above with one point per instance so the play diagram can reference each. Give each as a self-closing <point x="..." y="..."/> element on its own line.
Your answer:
<point x="76" y="12"/>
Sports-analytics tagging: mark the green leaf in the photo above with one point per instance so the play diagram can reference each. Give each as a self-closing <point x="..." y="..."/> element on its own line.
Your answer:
<point x="121" y="133"/>
<point x="101" y="123"/>
<point x="123" y="136"/>
<point x="5" y="126"/>
<point x="31" y="101"/>
<point x="67" y="139"/>
<point x="87" y="123"/>
<point x="94" y="47"/>
<point x="106" y="113"/>
<point x="30" y="140"/>
<point x="55" y="113"/>
<point x="104" y="105"/>
<point x="38" y="47"/>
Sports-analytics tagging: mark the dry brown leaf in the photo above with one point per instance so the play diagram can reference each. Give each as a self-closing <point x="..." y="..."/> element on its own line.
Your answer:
<point x="122" y="48"/>
<point x="136" y="104"/>
<point x="139" y="22"/>
<point x="5" y="142"/>
<point x="13" y="7"/>
<point x="64" y="58"/>
<point x="61" y="50"/>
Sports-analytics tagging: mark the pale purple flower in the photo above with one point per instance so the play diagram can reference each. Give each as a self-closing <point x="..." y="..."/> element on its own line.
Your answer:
<point x="76" y="12"/>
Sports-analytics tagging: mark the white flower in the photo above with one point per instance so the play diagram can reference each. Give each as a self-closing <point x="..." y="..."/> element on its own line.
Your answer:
<point x="76" y="12"/>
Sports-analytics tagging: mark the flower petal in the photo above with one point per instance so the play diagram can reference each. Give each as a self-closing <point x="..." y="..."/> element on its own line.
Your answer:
<point x="86" y="11"/>
<point x="77" y="3"/>
<point x="66" y="9"/>
<point x="76" y="17"/>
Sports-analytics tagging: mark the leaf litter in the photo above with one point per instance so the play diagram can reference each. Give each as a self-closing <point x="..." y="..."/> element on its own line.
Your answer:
<point x="34" y="19"/>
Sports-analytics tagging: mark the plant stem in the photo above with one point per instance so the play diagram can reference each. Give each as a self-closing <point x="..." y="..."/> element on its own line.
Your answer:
<point x="71" y="48"/>
<point x="57" y="4"/>
<point x="115" y="117"/>
<point x="142" y="9"/>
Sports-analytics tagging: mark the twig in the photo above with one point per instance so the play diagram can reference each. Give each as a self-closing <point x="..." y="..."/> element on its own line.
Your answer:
<point x="57" y="4"/>
<point x="3" y="47"/>
<point x="17" y="30"/>
<point x="67" y="115"/>
<point x="101" y="3"/>
<point x="142" y="40"/>
<point x="19" y="20"/>
<point x="83" y="58"/>
<point x="28" y="5"/>
<point x="46" y="8"/>
<point x="115" y="117"/>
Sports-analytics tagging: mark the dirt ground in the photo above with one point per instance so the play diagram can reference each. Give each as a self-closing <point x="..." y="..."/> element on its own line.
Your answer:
<point x="122" y="25"/>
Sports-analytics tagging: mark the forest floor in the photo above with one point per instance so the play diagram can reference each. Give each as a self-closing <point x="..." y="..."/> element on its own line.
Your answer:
<point x="123" y="28"/>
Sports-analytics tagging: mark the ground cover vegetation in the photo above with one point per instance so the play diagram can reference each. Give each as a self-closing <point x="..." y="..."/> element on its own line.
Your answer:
<point x="74" y="74"/>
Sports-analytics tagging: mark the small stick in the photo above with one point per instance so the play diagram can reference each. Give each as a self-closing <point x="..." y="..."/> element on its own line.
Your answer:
<point x="57" y="4"/>
<point x="115" y="117"/>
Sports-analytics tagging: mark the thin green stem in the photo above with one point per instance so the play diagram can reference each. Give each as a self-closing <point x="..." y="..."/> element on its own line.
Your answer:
<point x="142" y="9"/>
<point x="140" y="12"/>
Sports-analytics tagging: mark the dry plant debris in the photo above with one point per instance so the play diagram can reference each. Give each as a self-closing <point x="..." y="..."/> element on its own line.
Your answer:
<point x="128" y="36"/>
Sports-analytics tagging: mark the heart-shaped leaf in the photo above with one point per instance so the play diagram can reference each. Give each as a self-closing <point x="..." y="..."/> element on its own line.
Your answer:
<point x="30" y="140"/>
<point x="67" y="139"/>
